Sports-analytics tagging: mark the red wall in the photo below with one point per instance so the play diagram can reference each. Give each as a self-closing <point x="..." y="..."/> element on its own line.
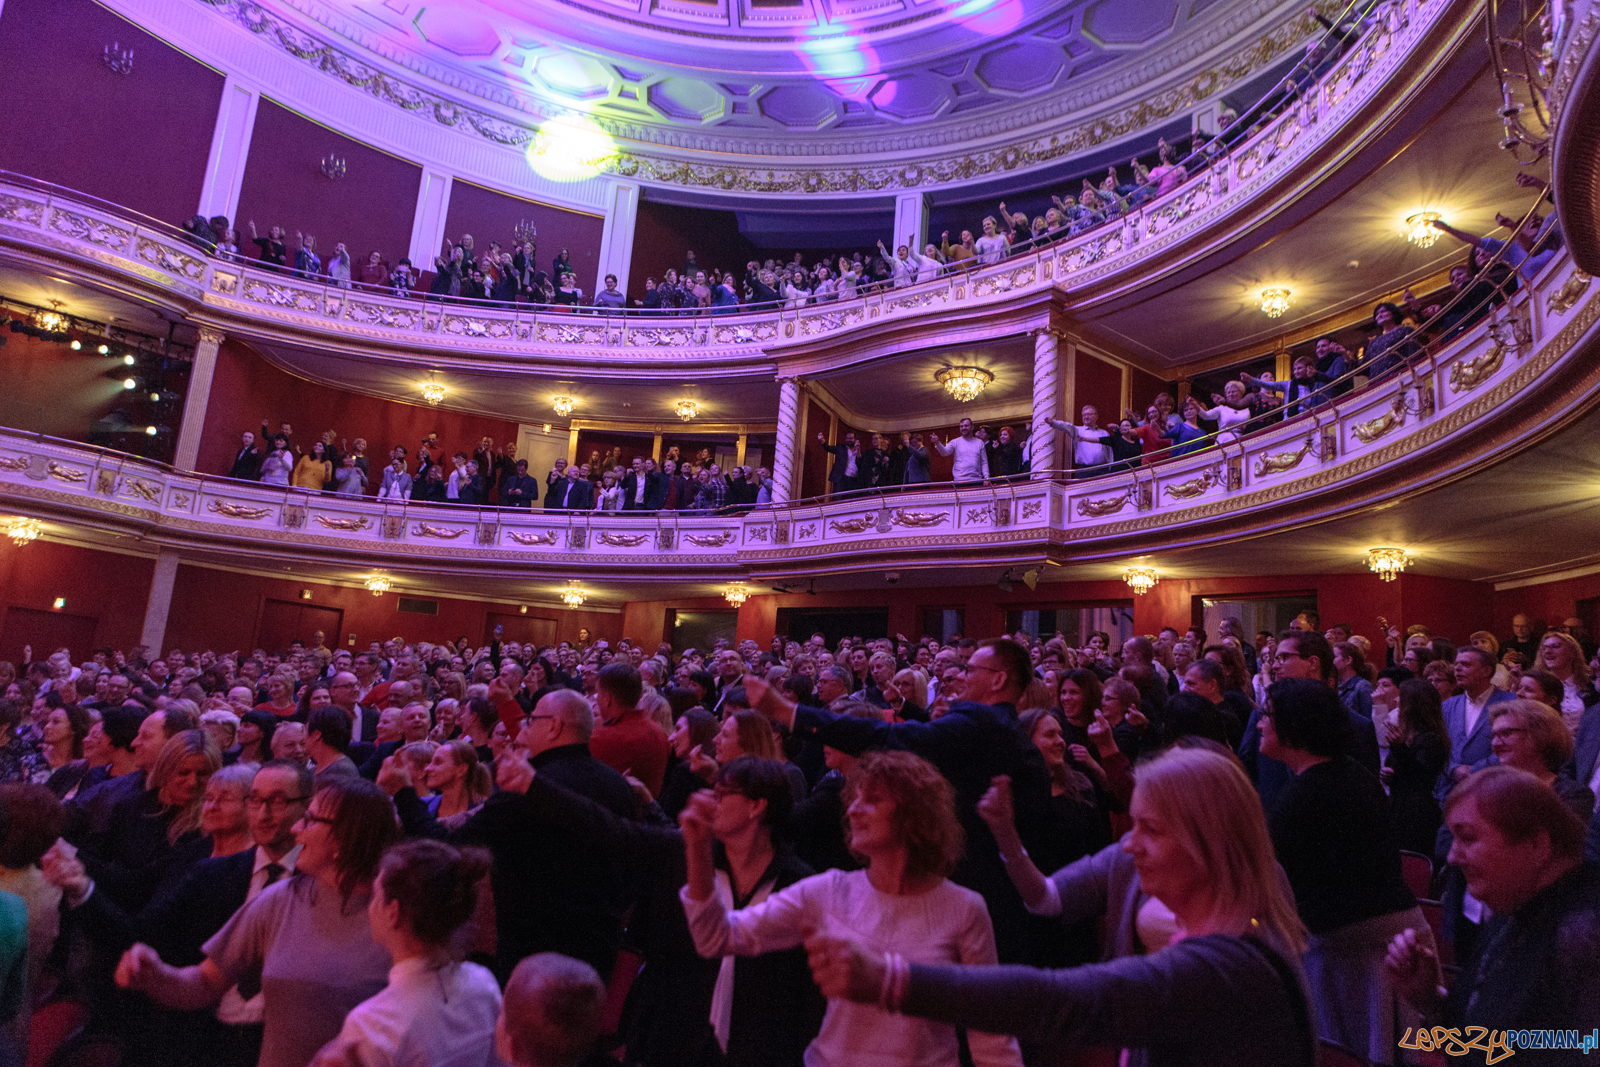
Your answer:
<point x="111" y="588"/>
<point x="1098" y="383"/>
<point x="139" y="139"/>
<point x="662" y="233"/>
<point x="194" y="622"/>
<point x="1550" y="602"/>
<point x="371" y="207"/>
<point x="491" y="216"/>
<point x="814" y="456"/>
<point x="247" y="389"/>
<point x="603" y="441"/>
<point x="1144" y="388"/>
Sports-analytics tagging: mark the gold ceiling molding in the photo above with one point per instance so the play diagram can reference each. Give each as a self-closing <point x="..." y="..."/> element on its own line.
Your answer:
<point x="1234" y="69"/>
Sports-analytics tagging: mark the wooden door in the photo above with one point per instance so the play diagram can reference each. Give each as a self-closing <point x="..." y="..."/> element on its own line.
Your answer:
<point x="520" y="628"/>
<point x="46" y="631"/>
<point x="283" y="621"/>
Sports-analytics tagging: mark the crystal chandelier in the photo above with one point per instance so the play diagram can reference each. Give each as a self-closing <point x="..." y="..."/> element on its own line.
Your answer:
<point x="1420" y="230"/>
<point x="1275" y="302"/>
<point x="432" y="392"/>
<point x="964" y="383"/>
<point x="1143" y="579"/>
<point x="378" y="584"/>
<point x="51" y="321"/>
<point x="572" y="596"/>
<point x="21" y="531"/>
<point x="564" y="405"/>
<point x="687" y="409"/>
<point x="736" y="594"/>
<point x="1387" y="562"/>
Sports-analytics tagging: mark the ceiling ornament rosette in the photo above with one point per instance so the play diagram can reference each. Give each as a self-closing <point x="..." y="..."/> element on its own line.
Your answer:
<point x="653" y="146"/>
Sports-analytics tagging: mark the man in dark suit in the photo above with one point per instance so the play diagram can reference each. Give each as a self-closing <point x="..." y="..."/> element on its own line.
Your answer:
<point x="557" y="485"/>
<point x="573" y="907"/>
<point x="840" y="475"/>
<point x="580" y="490"/>
<point x="643" y="487"/>
<point x="342" y="690"/>
<point x="519" y="490"/>
<point x="1466" y="715"/>
<point x="1302" y="654"/>
<point x="247" y="464"/>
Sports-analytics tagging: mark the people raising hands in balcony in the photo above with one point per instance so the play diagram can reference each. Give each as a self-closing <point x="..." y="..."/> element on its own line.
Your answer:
<point x="271" y="249"/>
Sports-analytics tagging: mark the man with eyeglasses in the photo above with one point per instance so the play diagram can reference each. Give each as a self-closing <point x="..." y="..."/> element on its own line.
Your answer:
<point x="342" y="692"/>
<point x="1302" y="654"/>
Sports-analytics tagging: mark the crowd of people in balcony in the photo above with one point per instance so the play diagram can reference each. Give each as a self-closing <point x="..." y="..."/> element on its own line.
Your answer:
<point x="1187" y="845"/>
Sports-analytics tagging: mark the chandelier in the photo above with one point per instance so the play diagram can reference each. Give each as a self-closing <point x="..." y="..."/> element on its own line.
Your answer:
<point x="1387" y="562"/>
<point x="563" y="405"/>
<point x="1420" y="230"/>
<point x="572" y="596"/>
<point x="51" y="321"/>
<point x="432" y="392"/>
<point x="22" y="531"/>
<point x="378" y="584"/>
<point x="687" y="409"/>
<point x="964" y="383"/>
<point x="1275" y="302"/>
<point x="1143" y="579"/>
<point x="736" y="594"/>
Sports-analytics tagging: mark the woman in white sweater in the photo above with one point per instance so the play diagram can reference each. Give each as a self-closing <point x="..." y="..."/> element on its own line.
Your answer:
<point x="902" y="823"/>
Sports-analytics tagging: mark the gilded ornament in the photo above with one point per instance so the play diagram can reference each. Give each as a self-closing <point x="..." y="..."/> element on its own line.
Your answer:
<point x="901" y="517"/>
<point x="105" y="483"/>
<point x="1108" y="506"/>
<point x="147" y="491"/>
<point x="1562" y="300"/>
<point x="715" y="540"/>
<point x="1030" y="508"/>
<point x="66" y="474"/>
<point x="758" y="533"/>
<point x="1466" y="374"/>
<point x="1193" y="487"/>
<point x="15" y="463"/>
<point x="853" y="526"/>
<point x="1372" y="430"/>
<point x="237" y="511"/>
<point x="546" y="538"/>
<point x="621" y="540"/>
<point x="808" y="530"/>
<point x="181" y="500"/>
<point x="347" y="525"/>
<point x="976" y="515"/>
<point x="1281" y="461"/>
<point x="423" y="529"/>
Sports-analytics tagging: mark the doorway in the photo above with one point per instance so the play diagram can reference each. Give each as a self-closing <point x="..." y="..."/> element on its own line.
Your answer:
<point x="1075" y="622"/>
<point x="1271" y="613"/>
<point x="284" y="621"/>
<point x="47" y="631"/>
<point x="701" y="629"/>
<point x="521" y="629"/>
<point x="833" y="623"/>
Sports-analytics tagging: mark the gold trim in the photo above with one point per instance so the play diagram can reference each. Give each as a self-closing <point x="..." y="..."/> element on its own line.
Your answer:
<point x="1108" y="506"/>
<point x="1468" y="374"/>
<point x="1193" y="487"/>
<point x="349" y="525"/>
<point x="423" y="529"/>
<point x="1374" y="429"/>
<point x="853" y="526"/>
<point x="547" y="538"/>
<point x="621" y="540"/>
<point x="66" y="474"/>
<point x="716" y="540"/>
<point x="901" y="517"/>
<point x="1282" y="461"/>
<point x="1561" y="301"/>
<point x="237" y="511"/>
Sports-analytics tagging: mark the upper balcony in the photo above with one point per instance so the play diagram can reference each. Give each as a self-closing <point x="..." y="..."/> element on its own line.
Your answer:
<point x="1347" y="122"/>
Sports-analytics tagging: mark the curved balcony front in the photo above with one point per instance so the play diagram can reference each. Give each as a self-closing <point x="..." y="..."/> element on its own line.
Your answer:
<point x="1501" y="387"/>
<point x="1348" y="113"/>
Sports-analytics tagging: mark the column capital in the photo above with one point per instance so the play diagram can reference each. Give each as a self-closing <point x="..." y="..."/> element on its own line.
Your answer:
<point x="790" y="379"/>
<point x="210" y="335"/>
<point x="1054" y="331"/>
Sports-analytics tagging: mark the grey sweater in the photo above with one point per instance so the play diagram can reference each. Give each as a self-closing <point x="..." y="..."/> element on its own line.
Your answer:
<point x="1213" y="1000"/>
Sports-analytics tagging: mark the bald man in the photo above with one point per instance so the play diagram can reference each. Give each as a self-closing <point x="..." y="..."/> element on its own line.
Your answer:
<point x="552" y="1013"/>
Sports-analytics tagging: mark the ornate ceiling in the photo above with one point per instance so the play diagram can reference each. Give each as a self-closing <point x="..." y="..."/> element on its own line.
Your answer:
<point x="811" y="78"/>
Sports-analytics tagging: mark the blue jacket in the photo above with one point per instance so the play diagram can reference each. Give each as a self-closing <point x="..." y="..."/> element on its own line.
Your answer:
<point x="1473" y="751"/>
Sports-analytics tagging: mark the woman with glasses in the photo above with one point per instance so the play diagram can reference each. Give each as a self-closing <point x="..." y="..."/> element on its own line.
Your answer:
<point x="305" y="940"/>
<point x="1531" y="737"/>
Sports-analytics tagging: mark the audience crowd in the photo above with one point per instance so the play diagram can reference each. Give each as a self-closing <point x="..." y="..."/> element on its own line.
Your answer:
<point x="1199" y="848"/>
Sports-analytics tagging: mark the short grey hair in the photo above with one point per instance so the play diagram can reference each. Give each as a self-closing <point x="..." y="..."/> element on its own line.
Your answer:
<point x="837" y="673"/>
<point x="237" y="775"/>
<point x="572" y="710"/>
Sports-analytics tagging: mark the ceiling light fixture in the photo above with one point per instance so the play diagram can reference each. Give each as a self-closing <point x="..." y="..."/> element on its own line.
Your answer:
<point x="21" y="531"/>
<point x="432" y="392"/>
<point x="1386" y="563"/>
<point x="572" y="596"/>
<point x="736" y="594"/>
<point x="1420" y="230"/>
<point x="563" y="405"/>
<point x="1275" y="301"/>
<point x="964" y="383"/>
<point x="1143" y="579"/>
<point x="687" y="409"/>
<point x="51" y="321"/>
<point x="378" y="584"/>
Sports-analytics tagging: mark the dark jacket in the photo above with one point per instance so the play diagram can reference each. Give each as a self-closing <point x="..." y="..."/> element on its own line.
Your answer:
<point x="519" y="491"/>
<point x="247" y="464"/>
<point x="630" y="490"/>
<point x="556" y="491"/>
<point x="573" y="906"/>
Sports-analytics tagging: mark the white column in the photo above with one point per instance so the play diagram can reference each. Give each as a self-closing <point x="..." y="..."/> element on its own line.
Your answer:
<point x="156" y="608"/>
<point x="910" y="221"/>
<point x="427" y="225"/>
<point x="785" y="456"/>
<point x="616" y="240"/>
<point x="197" y="400"/>
<point x="1047" y="395"/>
<point x="230" y="147"/>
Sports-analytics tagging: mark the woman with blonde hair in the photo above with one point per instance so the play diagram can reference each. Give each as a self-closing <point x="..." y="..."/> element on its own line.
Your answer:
<point x="907" y="694"/>
<point x="1221" y="974"/>
<point x="459" y="781"/>
<point x="1561" y="655"/>
<point x="1533" y="737"/>
<point x="902" y="824"/>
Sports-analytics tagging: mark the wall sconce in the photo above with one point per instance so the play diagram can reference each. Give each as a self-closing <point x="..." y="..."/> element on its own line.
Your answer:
<point x="23" y="531"/>
<point x="118" y="60"/>
<point x="333" y="167"/>
<point x="525" y="233"/>
<point x="305" y="594"/>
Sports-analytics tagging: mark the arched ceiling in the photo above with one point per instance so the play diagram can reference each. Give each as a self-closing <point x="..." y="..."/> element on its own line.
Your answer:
<point x="815" y="77"/>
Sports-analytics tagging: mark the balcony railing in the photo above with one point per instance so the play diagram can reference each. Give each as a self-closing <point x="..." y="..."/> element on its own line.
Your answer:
<point x="54" y="220"/>
<point x="1374" y="441"/>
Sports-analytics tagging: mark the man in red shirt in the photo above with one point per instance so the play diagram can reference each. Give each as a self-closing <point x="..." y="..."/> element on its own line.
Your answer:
<point x="625" y="740"/>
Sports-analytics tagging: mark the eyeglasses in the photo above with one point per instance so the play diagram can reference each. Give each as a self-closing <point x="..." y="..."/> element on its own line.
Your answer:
<point x="1284" y="657"/>
<point x="1508" y="732"/>
<point x="309" y="817"/>
<point x="979" y="667"/>
<point x="275" y="804"/>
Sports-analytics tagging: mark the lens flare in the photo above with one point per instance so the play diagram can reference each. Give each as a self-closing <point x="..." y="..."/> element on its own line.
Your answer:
<point x="569" y="149"/>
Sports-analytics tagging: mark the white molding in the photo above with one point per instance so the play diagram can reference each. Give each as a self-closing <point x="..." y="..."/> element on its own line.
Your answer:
<point x="616" y="239"/>
<point x="911" y="221"/>
<point x="427" y="225"/>
<point x="1545" y="579"/>
<point x="230" y="148"/>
